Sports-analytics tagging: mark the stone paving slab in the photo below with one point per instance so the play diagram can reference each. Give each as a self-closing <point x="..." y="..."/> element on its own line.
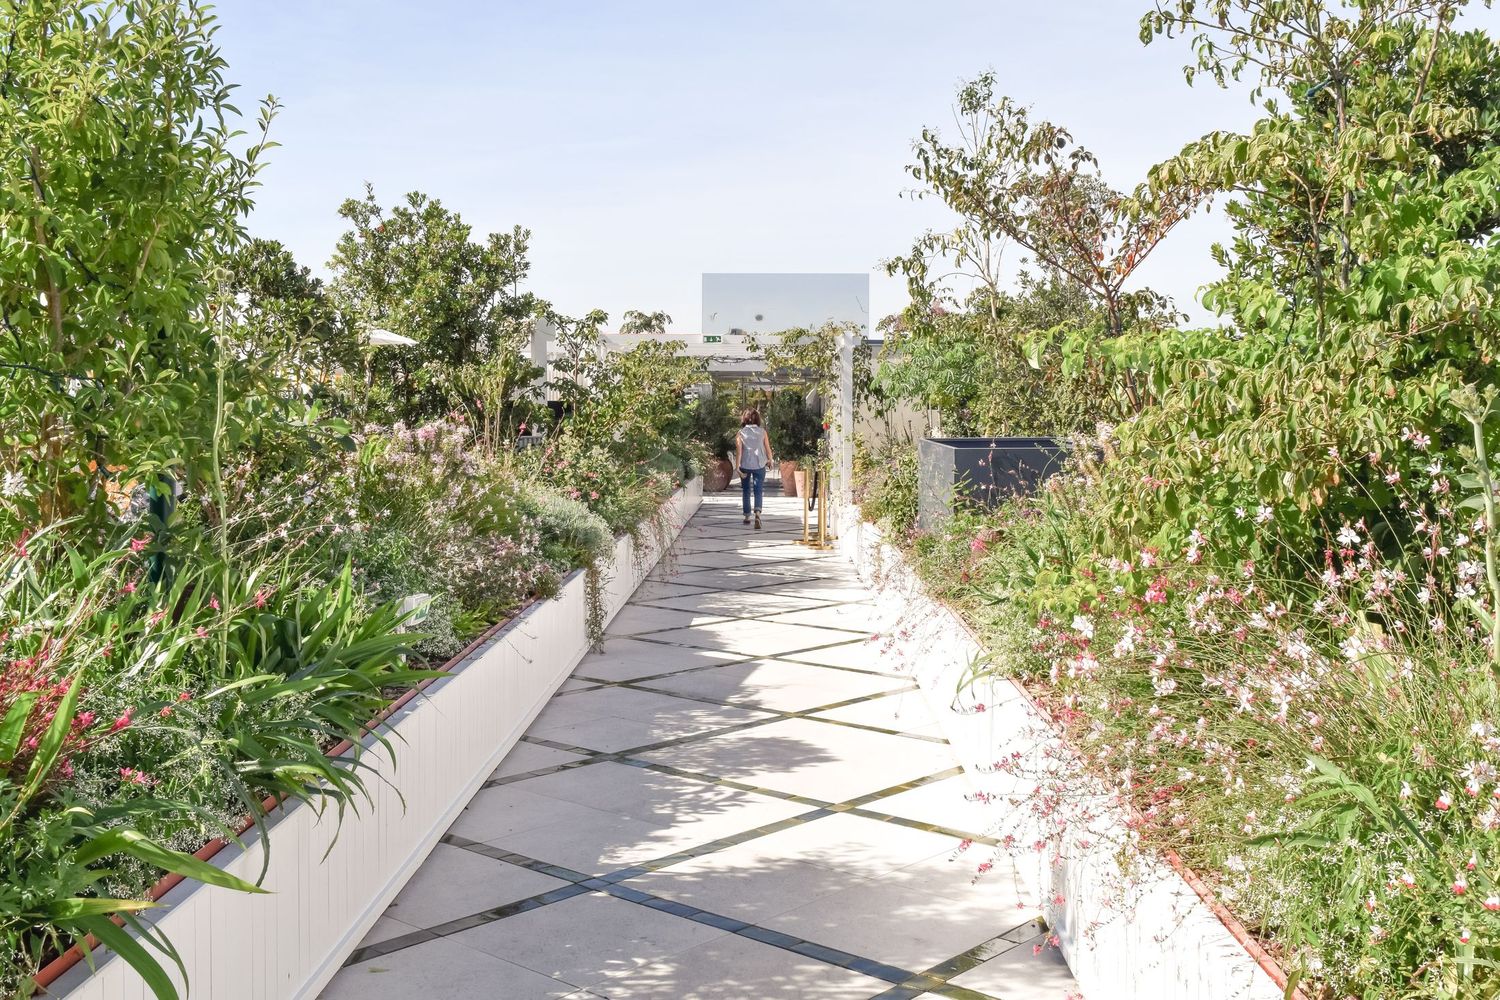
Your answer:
<point x="740" y="797"/>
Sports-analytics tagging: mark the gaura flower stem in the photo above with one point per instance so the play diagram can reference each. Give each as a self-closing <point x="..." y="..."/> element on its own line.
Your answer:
<point x="1491" y="572"/>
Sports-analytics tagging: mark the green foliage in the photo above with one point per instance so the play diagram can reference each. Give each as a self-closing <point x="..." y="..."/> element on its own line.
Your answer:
<point x="811" y="357"/>
<point x="415" y="271"/>
<point x="287" y="315"/>
<point x="623" y="493"/>
<point x="1263" y="615"/>
<point x="1012" y="178"/>
<point x="632" y="397"/>
<point x="1359" y="282"/>
<point x="573" y="535"/>
<point x="433" y="514"/>
<point x="886" y="484"/>
<point x="714" y="424"/>
<point x="126" y="190"/>
<point x="168" y="661"/>
<point x="54" y="850"/>
<point x="978" y="365"/>
<point x="794" y="428"/>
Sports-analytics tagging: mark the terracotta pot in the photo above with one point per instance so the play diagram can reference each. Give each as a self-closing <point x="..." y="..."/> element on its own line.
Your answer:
<point x="718" y="474"/>
<point x="789" y="478"/>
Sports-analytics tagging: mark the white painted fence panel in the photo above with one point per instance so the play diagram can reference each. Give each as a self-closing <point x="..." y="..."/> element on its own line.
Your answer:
<point x="1161" y="941"/>
<point x="289" y="942"/>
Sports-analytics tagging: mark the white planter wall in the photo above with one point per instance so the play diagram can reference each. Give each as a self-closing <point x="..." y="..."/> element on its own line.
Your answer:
<point x="1159" y="941"/>
<point x="448" y="740"/>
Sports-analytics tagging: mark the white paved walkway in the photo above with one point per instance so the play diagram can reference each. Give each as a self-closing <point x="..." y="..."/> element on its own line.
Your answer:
<point x="738" y="798"/>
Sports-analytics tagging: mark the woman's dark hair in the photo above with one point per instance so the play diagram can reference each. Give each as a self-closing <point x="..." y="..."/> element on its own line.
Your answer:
<point x="750" y="417"/>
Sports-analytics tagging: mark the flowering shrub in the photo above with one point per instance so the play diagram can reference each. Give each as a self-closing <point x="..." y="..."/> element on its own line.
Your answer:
<point x="1322" y="747"/>
<point x="422" y="510"/>
<point x="623" y="493"/>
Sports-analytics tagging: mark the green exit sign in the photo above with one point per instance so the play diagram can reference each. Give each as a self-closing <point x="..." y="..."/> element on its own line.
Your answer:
<point x="713" y="338"/>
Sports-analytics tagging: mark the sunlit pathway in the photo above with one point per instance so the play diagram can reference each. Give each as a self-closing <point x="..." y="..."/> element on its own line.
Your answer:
<point x="738" y="798"/>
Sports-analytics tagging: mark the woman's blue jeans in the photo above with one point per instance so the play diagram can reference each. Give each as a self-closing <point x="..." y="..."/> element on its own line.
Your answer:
<point x="749" y="477"/>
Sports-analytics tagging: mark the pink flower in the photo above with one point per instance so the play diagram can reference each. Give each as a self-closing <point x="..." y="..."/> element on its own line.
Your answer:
<point x="139" y="544"/>
<point x="1444" y="802"/>
<point x="1492" y="903"/>
<point x="1463" y="936"/>
<point x="978" y="545"/>
<point x="123" y="721"/>
<point x="1460" y="884"/>
<point x="213" y="602"/>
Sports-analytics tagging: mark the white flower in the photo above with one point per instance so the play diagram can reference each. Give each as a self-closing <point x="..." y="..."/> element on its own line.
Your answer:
<point x="1353" y="648"/>
<point x="1084" y="626"/>
<point x="1263" y="514"/>
<point x="12" y="485"/>
<point x="1348" y="537"/>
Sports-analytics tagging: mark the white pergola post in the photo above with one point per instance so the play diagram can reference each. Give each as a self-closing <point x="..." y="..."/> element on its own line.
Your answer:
<point x="841" y="447"/>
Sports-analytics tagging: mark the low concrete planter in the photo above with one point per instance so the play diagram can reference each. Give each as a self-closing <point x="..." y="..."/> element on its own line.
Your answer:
<point x="1162" y="938"/>
<point x="981" y="471"/>
<point x="323" y="899"/>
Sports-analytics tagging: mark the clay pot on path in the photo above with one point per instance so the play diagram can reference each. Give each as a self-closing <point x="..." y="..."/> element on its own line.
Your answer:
<point x="718" y="474"/>
<point x="791" y="480"/>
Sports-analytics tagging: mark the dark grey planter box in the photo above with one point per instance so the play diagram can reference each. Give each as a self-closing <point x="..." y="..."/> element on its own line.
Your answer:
<point x="980" y="471"/>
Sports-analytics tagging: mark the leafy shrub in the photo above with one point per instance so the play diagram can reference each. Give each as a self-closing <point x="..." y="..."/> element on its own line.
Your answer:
<point x="886" y="484"/>
<point x="793" y="426"/>
<point x="713" y="423"/>
<point x="56" y="850"/>
<point x="573" y="536"/>
<point x="433" y="514"/>
<point x="623" y="493"/>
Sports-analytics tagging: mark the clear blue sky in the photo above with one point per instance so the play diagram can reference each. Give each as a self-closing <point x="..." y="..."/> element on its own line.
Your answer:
<point x="645" y="143"/>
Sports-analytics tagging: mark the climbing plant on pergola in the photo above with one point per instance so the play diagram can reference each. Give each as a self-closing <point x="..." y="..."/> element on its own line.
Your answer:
<point x="810" y="355"/>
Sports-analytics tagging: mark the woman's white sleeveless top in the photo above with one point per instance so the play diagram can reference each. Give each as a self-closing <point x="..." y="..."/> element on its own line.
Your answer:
<point x="752" y="447"/>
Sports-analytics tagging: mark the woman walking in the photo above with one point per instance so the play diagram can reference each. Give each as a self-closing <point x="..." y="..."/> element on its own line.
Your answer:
<point x="752" y="453"/>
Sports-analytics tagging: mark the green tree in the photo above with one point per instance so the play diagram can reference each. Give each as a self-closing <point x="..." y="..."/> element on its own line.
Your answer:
<point x="642" y="324"/>
<point x="1360" y="282"/>
<point x="1012" y="178"/>
<point x="287" y="315"/>
<point x="977" y="361"/>
<point x="126" y="188"/>
<point x="415" y="270"/>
